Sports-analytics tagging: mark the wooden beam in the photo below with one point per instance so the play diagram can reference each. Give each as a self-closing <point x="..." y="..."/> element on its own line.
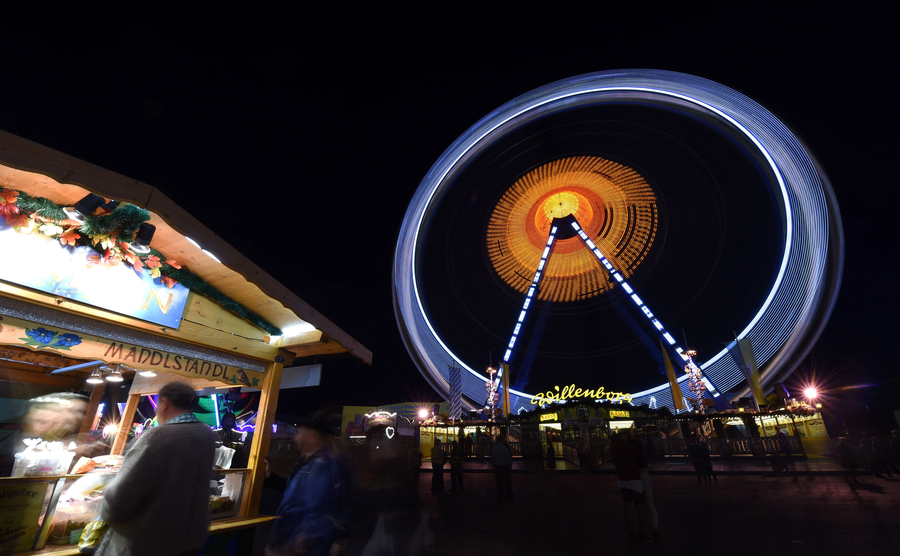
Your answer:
<point x="259" y="448"/>
<point x="322" y="347"/>
<point x="28" y="377"/>
<point x="125" y="424"/>
<point x="93" y="404"/>
<point x="23" y="355"/>
<point x="205" y="323"/>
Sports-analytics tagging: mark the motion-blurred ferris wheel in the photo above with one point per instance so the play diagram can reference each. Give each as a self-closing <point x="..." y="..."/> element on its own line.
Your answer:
<point x="566" y="219"/>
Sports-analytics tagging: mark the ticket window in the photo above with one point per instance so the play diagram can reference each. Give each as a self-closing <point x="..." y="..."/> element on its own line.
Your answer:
<point x="616" y="426"/>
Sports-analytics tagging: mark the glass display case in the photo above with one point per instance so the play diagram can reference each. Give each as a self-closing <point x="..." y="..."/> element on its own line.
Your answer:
<point x="53" y="510"/>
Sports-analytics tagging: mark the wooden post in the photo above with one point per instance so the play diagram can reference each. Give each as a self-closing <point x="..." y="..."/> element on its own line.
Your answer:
<point x="125" y="424"/>
<point x="259" y="448"/>
<point x="93" y="404"/>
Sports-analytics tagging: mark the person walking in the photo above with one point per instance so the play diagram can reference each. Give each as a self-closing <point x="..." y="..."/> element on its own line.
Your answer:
<point x="847" y="454"/>
<point x="708" y="471"/>
<point x="467" y="445"/>
<point x="783" y="454"/>
<point x="165" y="475"/>
<point x="551" y="454"/>
<point x="501" y="461"/>
<point x="456" y="476"/>
<point x="866" y="456"/>
<point x="881" y="457"/>
<point x="894" y="445"/>
<point x="414" y="465"/>
<point x="652" y="515"/>
<point x="481" y="447"/>
<point x="437" y="468"/>
<point x="315" y="506"/>
<point x="695" y="452"/>
<point x="628" y="460"/>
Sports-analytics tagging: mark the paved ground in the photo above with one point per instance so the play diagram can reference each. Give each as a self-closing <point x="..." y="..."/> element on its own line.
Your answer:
<point x="570" y="513"/>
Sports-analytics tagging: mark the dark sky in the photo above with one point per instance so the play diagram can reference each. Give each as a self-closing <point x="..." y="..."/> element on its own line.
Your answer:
<point x="301" y="137"/>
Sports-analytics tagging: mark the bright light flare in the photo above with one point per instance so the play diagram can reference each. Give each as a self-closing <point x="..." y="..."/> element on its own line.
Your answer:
<point x="423" y="413"/>
<point x="811" y="393"/>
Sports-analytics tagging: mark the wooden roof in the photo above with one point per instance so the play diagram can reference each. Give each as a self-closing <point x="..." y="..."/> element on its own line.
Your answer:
<point x="40" y="171"/>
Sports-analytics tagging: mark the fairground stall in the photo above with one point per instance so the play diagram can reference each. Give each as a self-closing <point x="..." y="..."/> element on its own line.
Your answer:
<point x="580" y="431"/>
<point x="108" y="291"/>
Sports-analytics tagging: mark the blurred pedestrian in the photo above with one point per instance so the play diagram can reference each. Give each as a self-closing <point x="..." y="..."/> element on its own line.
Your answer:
<point x="164" y="480"/>
<point x="782" y="455"/>
<point x="501" y="461"/>
<point x="628" y="460"/>
<point x="866" y="456"/>
<point x="882" y="459"/>
<point x="467" y="445"/>
<point x="456" y="476"/>
<point x="584" y="456"/>
<point x="848" y="456"/>
<point x="652" y="515"/>
<point x="895" y="445"/>
<point x="437" y="468"/>
<point x="551" y="453"/>
<point x="708" y="470"/>
<point x="695" y="452"/>
<point x="315" y="508"/>
<point x="414" y="465"/>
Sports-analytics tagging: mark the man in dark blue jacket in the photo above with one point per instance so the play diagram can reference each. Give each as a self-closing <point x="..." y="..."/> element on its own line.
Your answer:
<point x="314" y="507"/>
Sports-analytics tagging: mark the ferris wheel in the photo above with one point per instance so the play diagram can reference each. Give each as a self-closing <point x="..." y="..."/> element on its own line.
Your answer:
<point x="579" y="224"/>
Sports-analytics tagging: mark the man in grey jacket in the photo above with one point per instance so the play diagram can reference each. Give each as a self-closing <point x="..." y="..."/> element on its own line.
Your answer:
<point x="159" y="502"/>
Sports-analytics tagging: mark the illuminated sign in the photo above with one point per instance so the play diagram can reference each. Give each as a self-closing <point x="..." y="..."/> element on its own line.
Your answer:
<point x="79" y="273"/>
<point x="380" y="418"/>
<point x="618" y="413"/>
<point x="549" y="417"/>
<point x="570" y="392"/>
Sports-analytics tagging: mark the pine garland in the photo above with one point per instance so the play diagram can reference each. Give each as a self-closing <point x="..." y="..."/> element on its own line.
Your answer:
<point x="125" y="220"/>
<point x="40" y="206"/>
<point x="199" y="285"/>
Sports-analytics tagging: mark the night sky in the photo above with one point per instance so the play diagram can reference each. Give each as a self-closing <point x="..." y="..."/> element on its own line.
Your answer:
<point x="300" y="138"/>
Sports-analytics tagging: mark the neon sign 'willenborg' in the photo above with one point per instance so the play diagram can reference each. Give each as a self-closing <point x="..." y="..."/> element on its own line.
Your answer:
<point x="570" y="392"/>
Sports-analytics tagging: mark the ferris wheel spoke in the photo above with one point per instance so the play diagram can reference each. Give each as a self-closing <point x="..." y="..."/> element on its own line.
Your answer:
<point x="532" y="289"/>
<point x="657" y="324"/>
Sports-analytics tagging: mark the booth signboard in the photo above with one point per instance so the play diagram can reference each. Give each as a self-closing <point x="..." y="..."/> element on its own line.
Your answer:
<point x="20" y="509"/>
<point x="80" y="274"/>
<point x="36" y="336"/>
<point x="817" y="427"/>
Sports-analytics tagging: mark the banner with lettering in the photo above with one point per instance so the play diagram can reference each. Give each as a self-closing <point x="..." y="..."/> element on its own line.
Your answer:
<point x="20" y="508"/>
<point x="40" y="337"/>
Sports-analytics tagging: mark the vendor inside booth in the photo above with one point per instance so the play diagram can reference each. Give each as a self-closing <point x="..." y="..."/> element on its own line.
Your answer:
<point x="109" y="291"/>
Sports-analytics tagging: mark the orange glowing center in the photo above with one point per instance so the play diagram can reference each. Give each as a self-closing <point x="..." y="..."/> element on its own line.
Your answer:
<point x="614" y="205"/>
<point x="561" y="205"/>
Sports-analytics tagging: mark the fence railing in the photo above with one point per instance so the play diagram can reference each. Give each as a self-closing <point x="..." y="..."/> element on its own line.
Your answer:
<point x="655" y="449"/>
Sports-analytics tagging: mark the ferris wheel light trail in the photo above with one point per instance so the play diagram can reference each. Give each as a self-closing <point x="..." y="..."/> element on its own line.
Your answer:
<point x="533" y="288"/>
<point x="615" y="274"/>
<point x="805" y="286"/>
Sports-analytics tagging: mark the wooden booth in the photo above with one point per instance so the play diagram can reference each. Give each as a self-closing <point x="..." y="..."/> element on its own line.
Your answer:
<point x="103" y="277"/>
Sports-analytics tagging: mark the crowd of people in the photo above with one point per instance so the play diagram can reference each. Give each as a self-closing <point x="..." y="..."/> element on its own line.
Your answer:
<point x="868" y="455"/>
<point x="372" y="493"/>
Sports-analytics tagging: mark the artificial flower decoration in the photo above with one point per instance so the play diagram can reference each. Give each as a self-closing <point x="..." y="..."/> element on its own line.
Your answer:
<point x="25" y="214"/>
